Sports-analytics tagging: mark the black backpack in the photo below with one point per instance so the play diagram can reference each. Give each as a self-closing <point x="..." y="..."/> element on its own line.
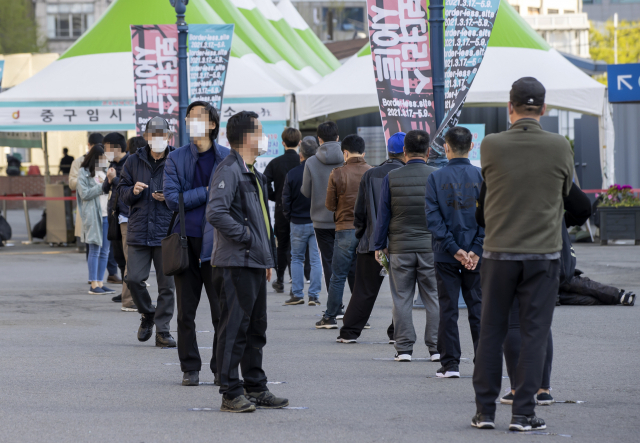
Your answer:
<point x="5" y="230"/>
<point x="40" y="228"/>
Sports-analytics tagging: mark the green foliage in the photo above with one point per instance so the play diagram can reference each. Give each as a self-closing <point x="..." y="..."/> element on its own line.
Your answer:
<point x="601" y="43"/>
<point x="18" y="29"/>
<point x="618" y="197"/>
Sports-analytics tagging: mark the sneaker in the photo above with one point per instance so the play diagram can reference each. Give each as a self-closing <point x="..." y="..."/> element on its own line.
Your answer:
<point x="114" y="279"/>
<point x="266" y="400"/>
<point x="434" y="356"/>
<point x="483" y="421"/>
<point x="340" y="315"/>
<point x="290" y="280"/>
<point x="278" y="286"/>
<point x="346" y="340"/>
<point x="627" y="298"/>
<point x="191" y="378"/>
<point x="507" y="399"/>
<point x="97" y="290"/>
<point x="367" y="326"/>
<point x="314" y="302"/>
<point x="295" y="301"/>
<point x="327" y="323"/>
<point x="105" y="289"/>
<point x="402" y="357"/>
<point x="238" y="404"/>
<point x="131" y="309"/>
<point x="524" y="423"/>
<point x="165" y="340"/>
<point x="146" y="327"/>
<point x="308" y="281"/>
<point x="392" y="341"/>
<point x="117" y="299"/>
<point x="451" y="371"/>
<point x="544" y="399"/>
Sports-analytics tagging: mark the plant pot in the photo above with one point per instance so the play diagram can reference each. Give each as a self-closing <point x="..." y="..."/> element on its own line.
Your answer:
<point x="619" y="223"/>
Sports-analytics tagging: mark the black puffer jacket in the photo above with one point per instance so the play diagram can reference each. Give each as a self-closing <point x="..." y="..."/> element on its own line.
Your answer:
<point x="149" y="218"/>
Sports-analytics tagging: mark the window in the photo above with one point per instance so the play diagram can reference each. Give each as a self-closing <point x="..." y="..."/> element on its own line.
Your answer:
<point x="517" y="8"/>
<point x="68" y="20"/>
<point x="552" y="11"/>
<point x="567" y="11"/>
<point x="534" y="11"/>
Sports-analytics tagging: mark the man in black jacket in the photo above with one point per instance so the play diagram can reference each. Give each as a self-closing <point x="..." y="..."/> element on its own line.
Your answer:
<point x="275" y="172"/>
<point x="148" y="223"/>
<point x="115" y="149"/>
<point x="243" y="255"/>
<point x="297" y="210"/>
<point x="368" y="279"/>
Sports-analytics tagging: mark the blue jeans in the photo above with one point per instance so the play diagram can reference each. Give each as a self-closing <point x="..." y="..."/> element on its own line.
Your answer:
<point x="344" y="253"/>
<point x="438" y="163"/>
<point x="98" y="256"/>
<point x="301" y="236"/>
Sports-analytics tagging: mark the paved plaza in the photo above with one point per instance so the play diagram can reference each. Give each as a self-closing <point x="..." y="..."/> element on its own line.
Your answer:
<point x="73" y="370"/>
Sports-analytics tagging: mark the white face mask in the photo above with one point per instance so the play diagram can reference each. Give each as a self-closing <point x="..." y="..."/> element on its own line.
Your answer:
<point x="263" y="145"/>
<point x="110" y="155"/>
<point x="197" y="128"/>
<point x="158" y="144"/>
<point x="103" y="163"/>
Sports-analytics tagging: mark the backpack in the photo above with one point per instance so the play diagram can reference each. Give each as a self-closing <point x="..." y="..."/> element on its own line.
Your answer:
<point x="5" y="230"/>
<point x="40" y="228"/>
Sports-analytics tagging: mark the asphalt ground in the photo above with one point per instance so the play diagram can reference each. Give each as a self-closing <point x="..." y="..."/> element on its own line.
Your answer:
<point x="73" y="370"/>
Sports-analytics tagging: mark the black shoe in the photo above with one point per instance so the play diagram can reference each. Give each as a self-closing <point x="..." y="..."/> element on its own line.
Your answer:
<point x="295" y="301"/>
<point x="191" y="378"/>
<point x="544" y="399"/>
<point x="146" y="327"/>
<point x="451" y="371"/>
<point x="507" y="399"/>
<point x="238" y="404"/>
<point x="278" y="286"/>
<point x="314" y="302"/>
<point x="524" y="423"/>
<point x="165" y="340"/>
<point x="266" y="400"/>
<point x="367" y="326"/>
<point x="483" y="421"/>
<point x="327" y="323"/>
<point x="117" y="299"/>
<point x="627" y="298"/>
<point x="340" y="315"/>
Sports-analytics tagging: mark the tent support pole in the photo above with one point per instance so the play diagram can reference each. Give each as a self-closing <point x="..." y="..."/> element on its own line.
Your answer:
<point x="45" y="151"/>
<point x="183" y="30"/>
<point x="436" y="35"/>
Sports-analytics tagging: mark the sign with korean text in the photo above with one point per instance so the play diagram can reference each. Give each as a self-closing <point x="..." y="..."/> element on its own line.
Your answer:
<point x="477" y="135"/>
<point x="155" y="74"/>
<point x="399" y="37"/>
<point x="468" y="26"/>
<point x="209" y="52"/>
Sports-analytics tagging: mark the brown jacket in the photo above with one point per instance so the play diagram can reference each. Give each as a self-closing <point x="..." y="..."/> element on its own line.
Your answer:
<point x="342" y="191"/>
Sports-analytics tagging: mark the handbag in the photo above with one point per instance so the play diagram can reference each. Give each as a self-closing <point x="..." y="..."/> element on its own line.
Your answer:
<point x="175" y="252"/>
<point x="113" y="232"/>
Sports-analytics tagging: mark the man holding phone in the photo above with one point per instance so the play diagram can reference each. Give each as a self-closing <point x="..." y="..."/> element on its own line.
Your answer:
<point x="140" y="188"/>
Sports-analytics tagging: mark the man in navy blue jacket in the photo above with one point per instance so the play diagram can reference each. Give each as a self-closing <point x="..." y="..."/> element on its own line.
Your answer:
<point x="457" y="244"/>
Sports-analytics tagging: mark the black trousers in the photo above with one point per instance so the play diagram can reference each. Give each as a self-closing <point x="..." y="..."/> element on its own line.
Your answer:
<point x="188" y="291"/>
<point x="584" y="291"/>
<point x="535" y="284"/>
<point x="243" y="329"/>
<point x="365" y="292"/>
<point x="325" y="239"/>
<point x="118" y="255"/>
<point x="512" y="345"/>
<point x="451" y="277"/>
<point x="282" y="232"/>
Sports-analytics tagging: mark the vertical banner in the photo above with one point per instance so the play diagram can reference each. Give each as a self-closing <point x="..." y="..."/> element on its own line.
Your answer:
<point x="468" y="26"/>
<point x="155" y="74"/>
<point x="399" y="37"/>
<point x="1" y="72"/>
<point x="209" y="52"/>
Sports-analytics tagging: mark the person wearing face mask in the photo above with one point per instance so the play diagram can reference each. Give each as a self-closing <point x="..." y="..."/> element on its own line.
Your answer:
<point x="92" y="204"/>
<point x="243" y="255"/>
<point x="188" y="172"/>
<point x="115" y="149"/>
<point x="141" y="188"/>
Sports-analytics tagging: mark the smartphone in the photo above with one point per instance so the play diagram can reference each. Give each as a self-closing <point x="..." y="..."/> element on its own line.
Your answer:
<point x="158" y="192"/>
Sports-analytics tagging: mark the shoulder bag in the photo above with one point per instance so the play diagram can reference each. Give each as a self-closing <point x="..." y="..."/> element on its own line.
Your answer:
<point x="175" y="250"/>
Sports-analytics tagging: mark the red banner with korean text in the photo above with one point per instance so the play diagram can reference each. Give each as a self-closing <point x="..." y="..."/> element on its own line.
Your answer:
<point x="155" y="74"/>
<point x="399" y="37"/>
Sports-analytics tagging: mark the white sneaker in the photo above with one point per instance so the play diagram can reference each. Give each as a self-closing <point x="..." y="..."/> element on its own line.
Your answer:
<point x="402" y="357"/>
<point x="129" y="309"/>
<point x="345" y="340"/>
<point x="392" y="341"/>
<point x="435" y="357"/>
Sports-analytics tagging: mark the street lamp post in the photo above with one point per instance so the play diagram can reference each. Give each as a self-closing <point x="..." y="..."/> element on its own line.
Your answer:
<point x="183" y="88"/>
<point x="436" y="34"/>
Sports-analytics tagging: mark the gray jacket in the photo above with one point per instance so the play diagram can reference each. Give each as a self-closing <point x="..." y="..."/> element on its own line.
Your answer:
<point x="87" y="194"/>
<point x="315" y="181"/>
<point x="240" y="236"/>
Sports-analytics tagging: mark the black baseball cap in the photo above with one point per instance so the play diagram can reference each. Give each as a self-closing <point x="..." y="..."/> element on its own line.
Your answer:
<point x="527" y="91"/>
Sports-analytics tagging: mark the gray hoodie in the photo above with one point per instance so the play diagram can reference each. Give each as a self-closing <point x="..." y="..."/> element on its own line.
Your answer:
<point x="316" y="180"/>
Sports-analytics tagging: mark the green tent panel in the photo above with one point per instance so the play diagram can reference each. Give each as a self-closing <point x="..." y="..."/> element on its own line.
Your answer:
<point x="301" y="47"/>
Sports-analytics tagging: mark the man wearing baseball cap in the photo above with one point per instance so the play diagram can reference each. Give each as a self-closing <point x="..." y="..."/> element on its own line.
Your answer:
<point x="527" y="173"/>
<point x="368" y="279"/>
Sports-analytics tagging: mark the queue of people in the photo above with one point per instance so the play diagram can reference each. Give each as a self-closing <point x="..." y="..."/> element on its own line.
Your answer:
<point x="439" y="223"/>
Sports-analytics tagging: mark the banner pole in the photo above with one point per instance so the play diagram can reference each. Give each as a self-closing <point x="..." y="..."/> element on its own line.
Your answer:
<point x="183" y="30"/>
<point x="436" y="35"/>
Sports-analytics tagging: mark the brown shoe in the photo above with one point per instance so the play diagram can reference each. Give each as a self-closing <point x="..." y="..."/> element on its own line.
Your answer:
<point x="114" y="279"/>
